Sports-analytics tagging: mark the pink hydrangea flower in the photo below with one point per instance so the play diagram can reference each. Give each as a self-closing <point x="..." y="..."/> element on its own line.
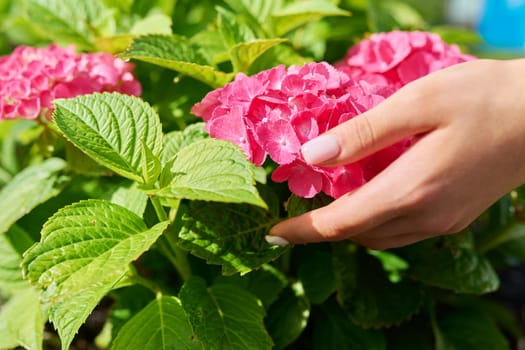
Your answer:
<point x="31" y="78"/>
<point x="397" y="58"/>
<point x="274" y="112"/>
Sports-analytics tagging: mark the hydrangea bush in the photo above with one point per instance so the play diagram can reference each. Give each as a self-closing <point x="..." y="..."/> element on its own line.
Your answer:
<point x="148" y="147"/>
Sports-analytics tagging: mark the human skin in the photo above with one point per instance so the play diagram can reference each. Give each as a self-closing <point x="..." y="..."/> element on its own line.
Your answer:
<point x="469" y="123"/>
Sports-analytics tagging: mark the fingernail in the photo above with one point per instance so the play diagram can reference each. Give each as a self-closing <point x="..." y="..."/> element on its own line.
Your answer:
<point x="276" y="240"/>
<point x="320" y="149"/>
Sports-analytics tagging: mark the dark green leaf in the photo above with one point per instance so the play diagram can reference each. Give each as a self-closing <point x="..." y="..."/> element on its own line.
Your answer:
<point x="333" y="330"/>
<point x="364" y="291"/>
<point x="288" y="316"/>
<point x="298" y="205"/>
<point x="462" y="270"/>
<point x="162" y="325"/>
<point x="224" y="316"/>
<point x="231" y="235"/>
<point x="112" y="129"/>
<point x="316" y="272"/>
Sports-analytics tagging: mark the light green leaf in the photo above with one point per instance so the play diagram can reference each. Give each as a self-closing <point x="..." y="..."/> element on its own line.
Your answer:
<point x="333" y="330"/>
<point x="231" y="235"/>
<point x="255" y="13"/>
<point x="162" y="325"/>
<point x="71" y="21"/>
<point x="22" y="321"/>
<point x="29" y="188"/>
<point x="177" y="140"/>
<point x="213" y="170"/>
<point x="177" y="53"/>
<point x="232" y="29"/>
<point x="462" y="270"/>
<point x="130" y="197"/>
<point x="85" y="251"/>
<point x="224" y="316"/>
<point x="128" y="301"/>
<point x="153" y="23"/>
<point x="298" y="13"/>
<point x="11" y="279"/>
<point x="111" y="129"/>
<point x="149" y="164"/>
<point x="244" y="54"/>
<point x="288" y="316"/>
<point x="366" y="294"/>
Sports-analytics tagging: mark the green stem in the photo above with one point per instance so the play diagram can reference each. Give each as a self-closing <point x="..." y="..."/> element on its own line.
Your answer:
<point x="138" y="279"/>
<point x="168" y="247"/>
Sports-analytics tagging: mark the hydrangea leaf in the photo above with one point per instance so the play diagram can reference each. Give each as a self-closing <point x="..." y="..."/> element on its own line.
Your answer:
<point x="468" y="330"/>
<point x="11" y="279"/>
<point x="333" y="330"/>
<point x="112" y="128"/>
<point x="177" y="53"/>
<point x="462" y="269"/>
<point x="161" y="325"/>
<point x="231" y="235"/>
<point x="298" y="205"/>
<point x="22" y="321"/>
<point x="288" y="316"/>
<point x="71" y="21"/>
<point x="177" y="140"/>
<point x="298" y="13"/>
<point x="29" y="188"/>
<point x="266" y="283"/>
<point x="224" y="316"/>
<point x="84" y="252"/>
<point x="316" y="273"/>
<point x="130" y="197"/>
<point x="244" y="54"/>
<point x="365" y="292"/>
<point x="232" y="30"/>
<point x="213" y="170"/>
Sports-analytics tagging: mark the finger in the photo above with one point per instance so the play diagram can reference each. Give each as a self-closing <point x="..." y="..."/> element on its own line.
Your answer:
<point x="342" y="218"/>
<point x="390" y="242"/>
<point x="403" y="114"/>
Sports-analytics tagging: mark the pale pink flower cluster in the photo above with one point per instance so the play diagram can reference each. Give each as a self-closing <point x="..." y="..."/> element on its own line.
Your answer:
<point x="275" y="111"/>
<point x="31" y="78"/>
<point x="397" y="58"/>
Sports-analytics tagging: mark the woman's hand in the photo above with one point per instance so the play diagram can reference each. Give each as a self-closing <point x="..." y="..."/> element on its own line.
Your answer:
<point x="469" y="121"/>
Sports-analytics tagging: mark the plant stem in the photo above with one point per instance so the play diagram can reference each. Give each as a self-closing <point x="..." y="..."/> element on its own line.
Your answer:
<point x="169" y="248"/>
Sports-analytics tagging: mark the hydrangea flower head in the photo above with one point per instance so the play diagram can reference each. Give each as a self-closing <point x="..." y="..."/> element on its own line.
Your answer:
<point x="274" y="112"/>
<point x="31" y="78"/>
<point x="398" y="57"/>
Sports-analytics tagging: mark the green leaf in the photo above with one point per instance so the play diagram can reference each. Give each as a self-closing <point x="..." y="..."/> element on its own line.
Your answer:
<point x="150" y="164"/>
<point x="22" y="321"/>
<point x="70" y="21"/>
<point x="232" y="29"/>
<point x="153" y="23"/>
<point x="29" y="188"/>
<point x="130" y="197"/>
<point x="364" y="291"/>
<point x="255" y="13"/>
<point x="298" y="205"/>
<point x="177" y="140"/>
<point x="111" y="128"/>
<point x="462" y="270"/>
<point x="231" y="235"/>
<point x="316" y="273"/>
<point x="177" y="53"/>
<point x="244" y="54"/>
<point x="224" y="316"/>
<point x="298" y="13"/>
<point x="84" y="252"/>
<point x="265" y="283"/>
<point x="11" y="279"/>
<point x="392" y="264"/>
<point x="333" y="330"/>
<point x="213" y="170"/>
<point x="288" y="316"/>
<point x="468" y="330"/>
<point x="161" y="325"/>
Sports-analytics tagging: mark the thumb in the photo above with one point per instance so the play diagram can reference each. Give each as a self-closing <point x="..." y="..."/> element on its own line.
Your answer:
<point x="403" y="114"/>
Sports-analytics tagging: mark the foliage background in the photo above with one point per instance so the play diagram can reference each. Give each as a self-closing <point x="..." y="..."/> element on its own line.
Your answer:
<point x="430" y="295"/>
